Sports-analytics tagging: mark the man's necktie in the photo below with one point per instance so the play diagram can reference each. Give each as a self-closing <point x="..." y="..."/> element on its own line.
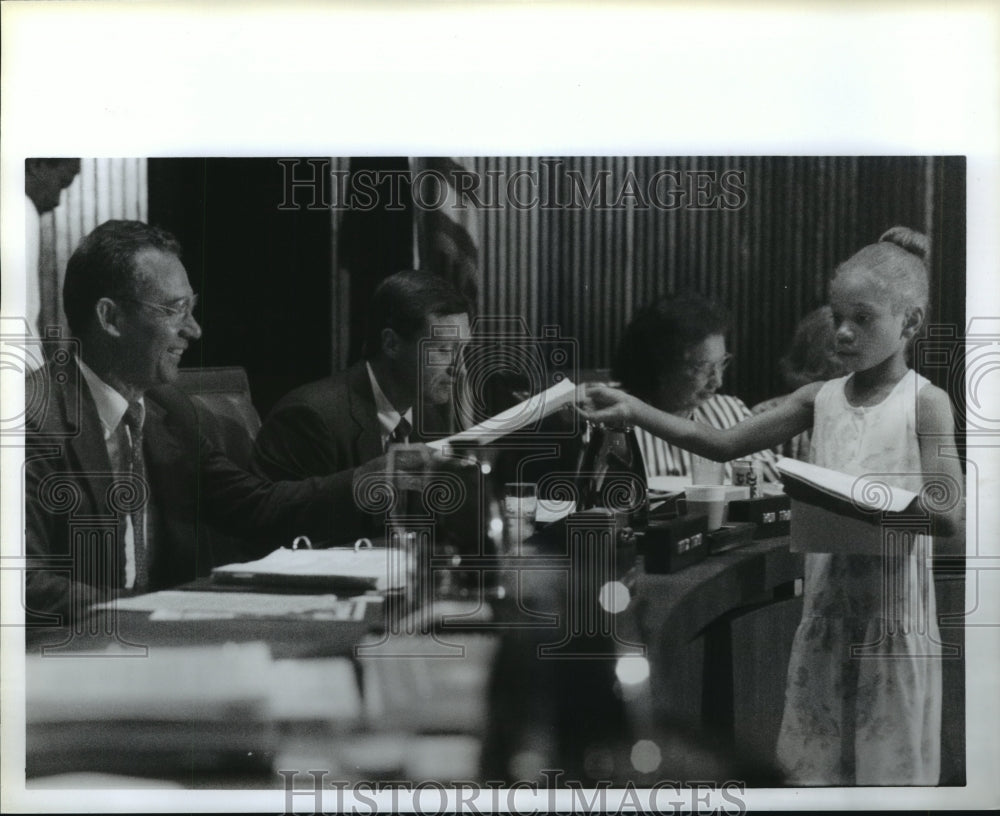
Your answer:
<point x="137" y="467"/>
<point x="399" y="434"/>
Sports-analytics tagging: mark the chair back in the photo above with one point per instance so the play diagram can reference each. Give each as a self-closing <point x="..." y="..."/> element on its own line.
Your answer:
<point x="222" y="396"/>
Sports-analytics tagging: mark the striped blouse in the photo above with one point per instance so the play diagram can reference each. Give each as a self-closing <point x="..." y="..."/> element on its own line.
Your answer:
<point x="721" y="411"/>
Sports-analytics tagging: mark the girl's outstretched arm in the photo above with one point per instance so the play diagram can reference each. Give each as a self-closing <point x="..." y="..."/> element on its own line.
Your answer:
<point x="765" y="430"/>
<point x="943" y="494"/>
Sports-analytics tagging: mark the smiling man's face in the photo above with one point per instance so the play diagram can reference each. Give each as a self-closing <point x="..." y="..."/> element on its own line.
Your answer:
<point x="152" y="340"/>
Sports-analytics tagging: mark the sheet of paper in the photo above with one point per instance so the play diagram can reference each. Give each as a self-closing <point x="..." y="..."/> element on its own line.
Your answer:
<point x="550" y="510"/>
<point x="523" y="415"/>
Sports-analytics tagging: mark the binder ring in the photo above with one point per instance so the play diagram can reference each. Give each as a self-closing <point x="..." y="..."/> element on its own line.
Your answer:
<point x="362" y="543"/>
<point x="303" y="540"/>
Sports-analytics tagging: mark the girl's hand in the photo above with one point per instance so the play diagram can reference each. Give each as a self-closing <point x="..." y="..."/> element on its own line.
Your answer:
<point x="606" y="405"/>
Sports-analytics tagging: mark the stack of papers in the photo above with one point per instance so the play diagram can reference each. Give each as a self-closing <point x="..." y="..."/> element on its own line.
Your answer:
<point x="342" y="569"/>
<point x="190" y="605"/>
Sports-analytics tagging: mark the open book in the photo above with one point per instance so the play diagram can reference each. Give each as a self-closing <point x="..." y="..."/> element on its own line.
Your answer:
<point x="523" y="415"/>
<point x="834" y="512"/>
<point x="859" y="496"/>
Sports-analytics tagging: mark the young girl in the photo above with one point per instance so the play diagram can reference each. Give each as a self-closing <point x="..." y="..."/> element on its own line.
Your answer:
<point x="863" y="700"/>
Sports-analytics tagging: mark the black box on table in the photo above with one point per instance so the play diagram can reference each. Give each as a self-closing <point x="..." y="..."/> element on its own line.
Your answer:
<point x="730" y="536"/>
<point x="771" y="514"/>
<point x="668" y="546"/>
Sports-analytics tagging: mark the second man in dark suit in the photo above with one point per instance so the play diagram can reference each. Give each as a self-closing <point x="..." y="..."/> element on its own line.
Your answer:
<point x="401" y="391"/>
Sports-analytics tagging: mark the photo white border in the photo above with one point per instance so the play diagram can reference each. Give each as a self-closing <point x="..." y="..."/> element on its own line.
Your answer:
<point x="156" y="79"/>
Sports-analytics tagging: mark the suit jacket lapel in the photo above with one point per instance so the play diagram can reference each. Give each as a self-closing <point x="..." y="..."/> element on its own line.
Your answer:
<point x="169" y="468"/>
<point x="172" y="471"/>
<point x="88" y="452"/>
<point x="431" y="418"/>
<point x="431" y="422"/>
<point x="87" y="459"/>
<point x="161" y="445"/>
<point x="363" y="413"/>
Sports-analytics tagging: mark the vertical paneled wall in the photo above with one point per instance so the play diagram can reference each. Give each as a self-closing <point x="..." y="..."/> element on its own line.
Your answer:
<point x="510" y="244"/>
<point x="104" y="188"/>
<point x="588" y="268"/>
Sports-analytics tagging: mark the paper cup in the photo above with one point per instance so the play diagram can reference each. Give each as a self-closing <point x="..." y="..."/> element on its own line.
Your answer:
<point x="709" y="500"/>
<point x="520" y="510"/>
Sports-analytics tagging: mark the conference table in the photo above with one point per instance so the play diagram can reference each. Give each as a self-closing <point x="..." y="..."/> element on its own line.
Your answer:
<point x="481" y="683"/>
<point x="547" y="663"/>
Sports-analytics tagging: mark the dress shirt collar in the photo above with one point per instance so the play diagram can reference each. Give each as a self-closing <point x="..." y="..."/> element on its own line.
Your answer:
<point x="388" y="416"/>
<point x="111" y="406"/>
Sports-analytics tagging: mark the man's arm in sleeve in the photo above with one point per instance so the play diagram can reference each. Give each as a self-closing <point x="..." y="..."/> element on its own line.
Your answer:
<point x="294" y="443"/>
<point x="245" y="504"/>
<point x="252" y="506"/>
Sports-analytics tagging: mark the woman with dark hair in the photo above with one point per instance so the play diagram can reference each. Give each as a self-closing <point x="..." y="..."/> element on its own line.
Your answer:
<point x="673" y="356"/>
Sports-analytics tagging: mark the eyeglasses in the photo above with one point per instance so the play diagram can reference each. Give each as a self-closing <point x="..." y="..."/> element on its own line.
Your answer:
<point x="709" y="368"/>
<point x="178" y="311"/>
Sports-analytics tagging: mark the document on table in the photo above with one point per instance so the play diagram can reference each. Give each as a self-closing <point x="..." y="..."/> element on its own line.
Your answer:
<point x="336" y="568"/>
<point x="182" y="605"/>
<point x="523" y="415"/>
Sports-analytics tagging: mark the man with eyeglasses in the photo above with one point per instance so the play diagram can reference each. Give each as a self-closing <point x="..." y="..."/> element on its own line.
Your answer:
<point x="122" y="488"/>
<point x="673" y="355"/>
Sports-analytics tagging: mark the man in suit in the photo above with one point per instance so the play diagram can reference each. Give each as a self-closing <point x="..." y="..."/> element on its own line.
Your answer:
<point x="401" y="391"/>
<point x="121" y="485"/>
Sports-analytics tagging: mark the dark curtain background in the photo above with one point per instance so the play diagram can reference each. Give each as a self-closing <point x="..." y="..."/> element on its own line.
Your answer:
<point x="263" y="274"/>
<point x="267" y="283"/>
<point x="587" y="271"/>
<point x="374" y="243"/>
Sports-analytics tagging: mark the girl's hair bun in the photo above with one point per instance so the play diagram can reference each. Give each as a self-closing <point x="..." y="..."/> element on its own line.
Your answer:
<point x="914" y="242"/>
